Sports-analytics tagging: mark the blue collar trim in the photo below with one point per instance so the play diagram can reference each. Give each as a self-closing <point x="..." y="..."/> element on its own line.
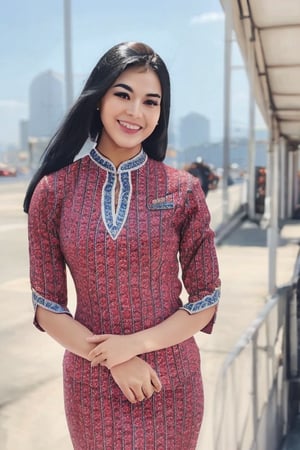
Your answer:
<point x="132" y="164"/>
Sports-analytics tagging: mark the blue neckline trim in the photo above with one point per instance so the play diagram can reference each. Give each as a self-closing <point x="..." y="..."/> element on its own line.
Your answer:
<point x="115" y="218"/>
<point x="132" y="164"/>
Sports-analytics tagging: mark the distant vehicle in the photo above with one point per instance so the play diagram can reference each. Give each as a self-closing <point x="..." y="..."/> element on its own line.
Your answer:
<point x="7" y="171"/>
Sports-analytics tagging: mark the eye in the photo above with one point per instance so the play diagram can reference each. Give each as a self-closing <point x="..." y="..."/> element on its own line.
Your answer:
<point x="122" y="95"/>
<point x="152" y="102"/>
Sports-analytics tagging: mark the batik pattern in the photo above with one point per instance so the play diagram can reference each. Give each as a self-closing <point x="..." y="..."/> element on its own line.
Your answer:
<point x="125" y="267"/>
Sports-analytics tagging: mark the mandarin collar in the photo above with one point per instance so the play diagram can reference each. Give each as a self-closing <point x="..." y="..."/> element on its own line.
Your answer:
<point x="131" y="164"/>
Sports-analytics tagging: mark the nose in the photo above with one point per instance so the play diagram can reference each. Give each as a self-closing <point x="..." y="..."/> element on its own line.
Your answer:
<point x="134" y="108"/>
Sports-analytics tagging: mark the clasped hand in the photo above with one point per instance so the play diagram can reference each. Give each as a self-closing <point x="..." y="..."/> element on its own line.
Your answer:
<point x="136" y="379"/>
<point x="112" y="349"/>
<point x="134" y="376"/>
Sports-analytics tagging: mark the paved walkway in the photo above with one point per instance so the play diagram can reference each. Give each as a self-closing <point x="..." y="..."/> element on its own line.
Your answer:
<point x="243" y="258"/>
<point x="34" y="419"/>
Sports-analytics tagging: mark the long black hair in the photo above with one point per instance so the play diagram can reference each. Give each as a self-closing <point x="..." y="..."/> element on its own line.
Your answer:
<point x="83" y="120"/>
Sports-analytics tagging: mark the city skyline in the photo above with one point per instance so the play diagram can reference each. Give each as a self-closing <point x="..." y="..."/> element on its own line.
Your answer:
<point x="189" y="37"/>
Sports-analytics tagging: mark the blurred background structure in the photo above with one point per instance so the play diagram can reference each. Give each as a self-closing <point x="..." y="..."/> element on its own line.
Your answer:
<point x="268" y="33"/>
<point x="235" y="71"/>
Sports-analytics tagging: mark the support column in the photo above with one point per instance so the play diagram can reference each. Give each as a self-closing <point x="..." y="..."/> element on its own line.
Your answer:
<point x="282" y="179"/>
<point x="290" y="200"/>
<point x="252" y="140"/>
<point x="227" y="107"/>
<point x="272" y="199"/>
<point x="68" y="54"/>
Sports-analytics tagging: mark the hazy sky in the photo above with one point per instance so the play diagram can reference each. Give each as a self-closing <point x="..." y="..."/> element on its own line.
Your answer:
<point x="188" y="35"/>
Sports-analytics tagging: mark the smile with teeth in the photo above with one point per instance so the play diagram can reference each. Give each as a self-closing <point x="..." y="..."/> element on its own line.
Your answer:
<point x="129" y="126"/>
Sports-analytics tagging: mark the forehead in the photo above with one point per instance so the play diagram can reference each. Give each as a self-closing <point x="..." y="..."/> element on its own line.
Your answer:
<point x="140" y="77"/>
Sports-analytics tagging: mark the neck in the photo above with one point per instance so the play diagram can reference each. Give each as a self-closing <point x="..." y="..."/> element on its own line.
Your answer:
<point x="118" y="156"/>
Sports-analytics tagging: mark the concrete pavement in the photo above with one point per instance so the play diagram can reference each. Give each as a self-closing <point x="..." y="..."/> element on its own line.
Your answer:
<point x="243" y="258"/>
<point x="31" y="414"/>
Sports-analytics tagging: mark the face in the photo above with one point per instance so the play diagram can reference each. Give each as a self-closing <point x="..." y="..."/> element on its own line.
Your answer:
<point x="129" y="112"/>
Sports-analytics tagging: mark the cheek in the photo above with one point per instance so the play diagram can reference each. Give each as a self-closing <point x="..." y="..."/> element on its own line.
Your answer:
<point x="107" y="108"/>
<point x="154" y="118"/>
<point x="105" y="113"/>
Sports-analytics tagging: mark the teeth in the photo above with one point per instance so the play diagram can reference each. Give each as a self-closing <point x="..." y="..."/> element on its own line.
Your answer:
<point x="129" y="126"/>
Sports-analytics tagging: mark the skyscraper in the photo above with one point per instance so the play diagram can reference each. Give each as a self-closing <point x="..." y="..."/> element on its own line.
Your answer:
<point x="193" y="130"/>
<point x="23" y="129"/>
<point x="45" y="104"/>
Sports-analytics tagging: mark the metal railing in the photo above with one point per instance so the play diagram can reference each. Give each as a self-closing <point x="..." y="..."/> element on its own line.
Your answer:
<point x="237" y="197"/>
<point x="251" y="397"/>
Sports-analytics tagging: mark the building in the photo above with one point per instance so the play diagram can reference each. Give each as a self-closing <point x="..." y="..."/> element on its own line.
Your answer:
<point x="194" y="130"/>
<point x="45" y="104"/>
<point x="23" y="130"/>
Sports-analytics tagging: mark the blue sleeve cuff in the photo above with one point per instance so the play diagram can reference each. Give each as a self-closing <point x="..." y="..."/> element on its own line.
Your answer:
<point x="54" y="307"/>
<point x="204" y="303"/>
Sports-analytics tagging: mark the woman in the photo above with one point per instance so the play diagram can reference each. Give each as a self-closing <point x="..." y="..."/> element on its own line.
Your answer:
<point x="119" y="218"/>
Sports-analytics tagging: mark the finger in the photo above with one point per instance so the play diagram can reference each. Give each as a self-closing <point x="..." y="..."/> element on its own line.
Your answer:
<point x="94" y="353"/>
<point x="148" y="390"/>
<point x="107" y="364"/>
<point x="128" y="393"/>
<point x="97" y="338"/>
<point x="100" y="359"/>
<point x="139" y="394"/>
<point x="97" y="351"/>
<point x="156" y="384"/>
<point x="155" y="381"/>
<point x="130" y="396"/>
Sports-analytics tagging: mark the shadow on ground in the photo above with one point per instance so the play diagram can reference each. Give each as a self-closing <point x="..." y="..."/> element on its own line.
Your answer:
<point x="250" y="234"/>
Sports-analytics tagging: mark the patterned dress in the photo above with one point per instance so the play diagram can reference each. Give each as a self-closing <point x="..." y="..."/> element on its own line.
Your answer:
<point x="123" y="247"/>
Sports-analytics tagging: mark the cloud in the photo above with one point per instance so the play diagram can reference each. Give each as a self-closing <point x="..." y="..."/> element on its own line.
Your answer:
<point x="210" y="17"/>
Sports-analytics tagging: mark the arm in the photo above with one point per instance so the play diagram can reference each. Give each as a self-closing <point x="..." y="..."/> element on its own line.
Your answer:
<point x="135" y="377"/>
<point x="115" y="349"/>
<point x="66" y="331"/>
<point x="174" y="330"/>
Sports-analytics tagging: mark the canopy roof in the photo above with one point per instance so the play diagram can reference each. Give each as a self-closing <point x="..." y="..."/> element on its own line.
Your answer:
<point x="268" y="33"/>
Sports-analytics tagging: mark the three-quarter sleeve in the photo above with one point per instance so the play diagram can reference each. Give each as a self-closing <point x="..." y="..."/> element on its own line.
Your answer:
<point x="198" y="258"/>
<point x="47" y="264"/>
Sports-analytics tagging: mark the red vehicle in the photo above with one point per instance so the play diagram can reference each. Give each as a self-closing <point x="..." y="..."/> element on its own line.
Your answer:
<point x="7" y="171"/>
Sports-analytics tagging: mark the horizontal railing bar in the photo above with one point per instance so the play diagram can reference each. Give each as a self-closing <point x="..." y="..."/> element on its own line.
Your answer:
<point x="251" y="331"/>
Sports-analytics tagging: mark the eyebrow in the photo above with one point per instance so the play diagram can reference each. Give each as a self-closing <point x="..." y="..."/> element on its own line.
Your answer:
<point x="128" y="88"/>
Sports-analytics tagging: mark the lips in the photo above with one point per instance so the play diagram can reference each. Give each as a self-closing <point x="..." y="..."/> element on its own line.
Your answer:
<point x="129" y="127"/>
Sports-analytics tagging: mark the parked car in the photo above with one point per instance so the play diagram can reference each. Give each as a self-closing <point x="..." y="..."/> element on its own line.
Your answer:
<point x="7" y="171"/>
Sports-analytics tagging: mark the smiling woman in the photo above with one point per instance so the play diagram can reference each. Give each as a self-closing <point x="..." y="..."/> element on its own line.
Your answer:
<point x="129" y="112"/>
<point x="118" y="218"/>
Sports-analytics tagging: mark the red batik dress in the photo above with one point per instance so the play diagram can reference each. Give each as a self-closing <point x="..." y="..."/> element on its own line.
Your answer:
<point x="125" y="265"/>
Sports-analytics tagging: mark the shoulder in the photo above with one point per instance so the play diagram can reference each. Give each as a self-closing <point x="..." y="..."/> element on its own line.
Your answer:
<point x="176" y="177"/>
<point x="56" y="180"/>
<point x="51" y="188"/>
